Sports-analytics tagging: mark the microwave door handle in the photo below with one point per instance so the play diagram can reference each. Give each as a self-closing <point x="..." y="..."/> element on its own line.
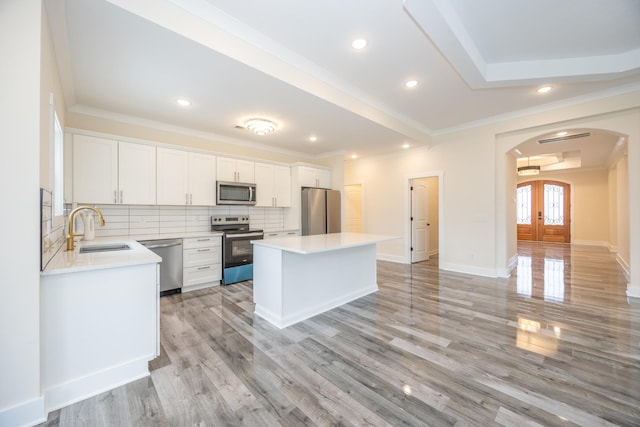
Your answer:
<point x="250" y="193"/>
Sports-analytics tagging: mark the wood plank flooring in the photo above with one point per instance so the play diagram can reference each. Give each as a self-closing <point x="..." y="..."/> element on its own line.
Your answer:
<point x="557" y="344"/>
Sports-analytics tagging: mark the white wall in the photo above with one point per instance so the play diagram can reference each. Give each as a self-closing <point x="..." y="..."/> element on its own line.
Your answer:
<point x="20" y="32"/>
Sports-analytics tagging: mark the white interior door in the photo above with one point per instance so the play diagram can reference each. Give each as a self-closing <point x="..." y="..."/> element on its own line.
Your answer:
<point x="353" y="208"/>
<point x="419" y="221"/>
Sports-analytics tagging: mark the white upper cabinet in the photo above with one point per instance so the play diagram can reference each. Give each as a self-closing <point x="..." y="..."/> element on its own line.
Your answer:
<point x="173" y="177"/>
<point x="107" y="171"/>
<point x="95" y="170"/>
<point x="273" y="185"/>
<point x="186" y="178"/>
<point x="314" y="177"/>
<point x="202" y="179"/>
<point x="282" y="186"/>
<point x="136" y="174"/>
<point x="235" y="170"/>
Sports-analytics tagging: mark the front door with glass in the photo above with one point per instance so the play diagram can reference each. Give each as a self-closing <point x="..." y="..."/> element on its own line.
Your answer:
<point x="543" y="211"/>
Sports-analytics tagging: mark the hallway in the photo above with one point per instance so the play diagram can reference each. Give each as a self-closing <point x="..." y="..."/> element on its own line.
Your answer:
<point x="556" y="344"/>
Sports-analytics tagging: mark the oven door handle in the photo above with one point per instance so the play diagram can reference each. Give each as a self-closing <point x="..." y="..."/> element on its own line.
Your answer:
<point x="233" y="236"/>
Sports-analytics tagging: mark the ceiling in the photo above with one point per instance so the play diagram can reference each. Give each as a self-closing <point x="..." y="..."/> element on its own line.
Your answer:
<point x="292" y="61"/>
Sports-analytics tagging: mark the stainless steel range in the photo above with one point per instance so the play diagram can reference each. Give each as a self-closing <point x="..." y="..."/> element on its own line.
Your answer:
<point x="237" y="251"/>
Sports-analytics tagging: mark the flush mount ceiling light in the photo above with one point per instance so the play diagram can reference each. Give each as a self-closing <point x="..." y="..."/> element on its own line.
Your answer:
<point x="528" y="170"/>
<point x="411" y="83"/>
<point x="405" y="146"/>
<point x="260" y="126"/>
<point x="544" y="89"/>
<point x="313" y="138"/>
<point x="359" y="44"/>
<point x="183" y="102"/>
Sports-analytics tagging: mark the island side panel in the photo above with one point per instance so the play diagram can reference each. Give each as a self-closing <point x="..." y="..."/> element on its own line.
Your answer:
<point x="317" y="282"/>
<point x="267" y="283"/>
<point x="98" y="330"/>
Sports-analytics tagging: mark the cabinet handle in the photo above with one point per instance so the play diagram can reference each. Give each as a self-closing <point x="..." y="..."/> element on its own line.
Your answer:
<point x="204" y="250"/>
<point x="203" y="240"/>
<point x="190" y="198"/>
<point x="291" y="233"/>
<point x="115" y="196"/>
<point x="204" y="268"/>
<point x="121" y="198"/>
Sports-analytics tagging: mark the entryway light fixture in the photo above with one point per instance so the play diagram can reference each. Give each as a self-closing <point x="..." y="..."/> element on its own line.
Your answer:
<point x="528" y="170"/>
<point x="260" y="126"/>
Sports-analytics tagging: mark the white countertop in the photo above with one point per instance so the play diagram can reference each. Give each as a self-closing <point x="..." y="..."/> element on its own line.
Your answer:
<point x="323" y="242"/>
<point x="70" y="262"/>
<point x="73" y="261"/>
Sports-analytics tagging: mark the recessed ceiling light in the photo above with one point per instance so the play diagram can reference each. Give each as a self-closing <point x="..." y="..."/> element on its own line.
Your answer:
<point x="411" y="83"/>
<point x="183" y="102"/>
<point x="313" y="138"/>
<point x="544" y="89"/>
<point x="406" y="145"/>
<point x="359" y="44"/>
<point x="354" y="156"/>
<point x="563" y="133"/>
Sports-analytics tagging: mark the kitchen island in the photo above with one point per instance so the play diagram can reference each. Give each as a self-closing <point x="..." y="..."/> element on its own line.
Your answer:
<point x="298" y="277"/>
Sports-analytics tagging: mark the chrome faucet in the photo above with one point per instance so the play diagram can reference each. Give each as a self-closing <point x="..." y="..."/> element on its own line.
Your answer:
<point x="72" y="215"/>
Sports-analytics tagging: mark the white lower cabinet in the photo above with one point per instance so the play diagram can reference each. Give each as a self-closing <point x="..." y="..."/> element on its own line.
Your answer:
<point x="278" y="234"/>
<point x="201" y="262"/>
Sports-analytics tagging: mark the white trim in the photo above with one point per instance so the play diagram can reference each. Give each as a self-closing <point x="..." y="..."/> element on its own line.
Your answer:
<point x="633" y="291"/>
<point x="469" y="269"/>
<point x="28" y="413"/>
<point x="619" y="90"/>
<point x="392" y="258"/>
<point x="82" y="388"/>
<point x="591" y="243"/>
<point x="152" y="124"/>
<point x="511" y="264"/>
<point x="626" y="268"/>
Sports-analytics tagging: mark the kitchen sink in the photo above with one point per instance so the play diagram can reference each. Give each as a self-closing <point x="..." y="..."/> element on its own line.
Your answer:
<point x="107" y="247"/>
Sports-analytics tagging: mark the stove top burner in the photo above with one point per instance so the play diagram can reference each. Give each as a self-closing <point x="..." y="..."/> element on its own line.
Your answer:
<point x="231" y="223"/>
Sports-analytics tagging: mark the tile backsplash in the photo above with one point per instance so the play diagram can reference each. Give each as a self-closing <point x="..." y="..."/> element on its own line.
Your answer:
<point x="125" y="220"/>
<point x="51" y="232"/>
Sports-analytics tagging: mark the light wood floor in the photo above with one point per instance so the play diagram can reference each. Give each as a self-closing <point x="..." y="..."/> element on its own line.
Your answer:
<point x="556" y="344"/>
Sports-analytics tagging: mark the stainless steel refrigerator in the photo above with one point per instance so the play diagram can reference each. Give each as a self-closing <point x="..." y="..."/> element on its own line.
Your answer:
<point x="320" y="211"/>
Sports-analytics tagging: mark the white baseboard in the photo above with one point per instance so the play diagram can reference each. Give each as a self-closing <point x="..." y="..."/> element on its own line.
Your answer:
<point x="392" y="258"/>
<point x="81" y="388"/>
<point x="284" y="321"/>
<point x="469" y="269"/>
<point x="626" y="268"/>
<point x="591" y="243"/>
<point x="28" y="413"/>
<point x="633" y="291"/>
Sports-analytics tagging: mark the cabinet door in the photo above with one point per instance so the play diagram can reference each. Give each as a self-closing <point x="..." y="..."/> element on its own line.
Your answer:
<point x="324" y="178"/>
<point x="226" y="169"/>
<point x="246" y="172"/>
<point x="95" y="170"/>
<point x="282" y="186"/>
<point x="264" y="184"/>
<point x="307" y="177"/>
<point x="172" y="177"/>
<point x="136" y="174"/>
<point x="202" y="179"/>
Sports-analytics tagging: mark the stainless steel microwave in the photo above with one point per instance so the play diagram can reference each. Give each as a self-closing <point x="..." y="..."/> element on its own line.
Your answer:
<point x="235" y="193"/>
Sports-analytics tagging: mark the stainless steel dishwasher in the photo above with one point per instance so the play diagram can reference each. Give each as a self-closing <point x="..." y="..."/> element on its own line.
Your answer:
<point x="170" y="250"/>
